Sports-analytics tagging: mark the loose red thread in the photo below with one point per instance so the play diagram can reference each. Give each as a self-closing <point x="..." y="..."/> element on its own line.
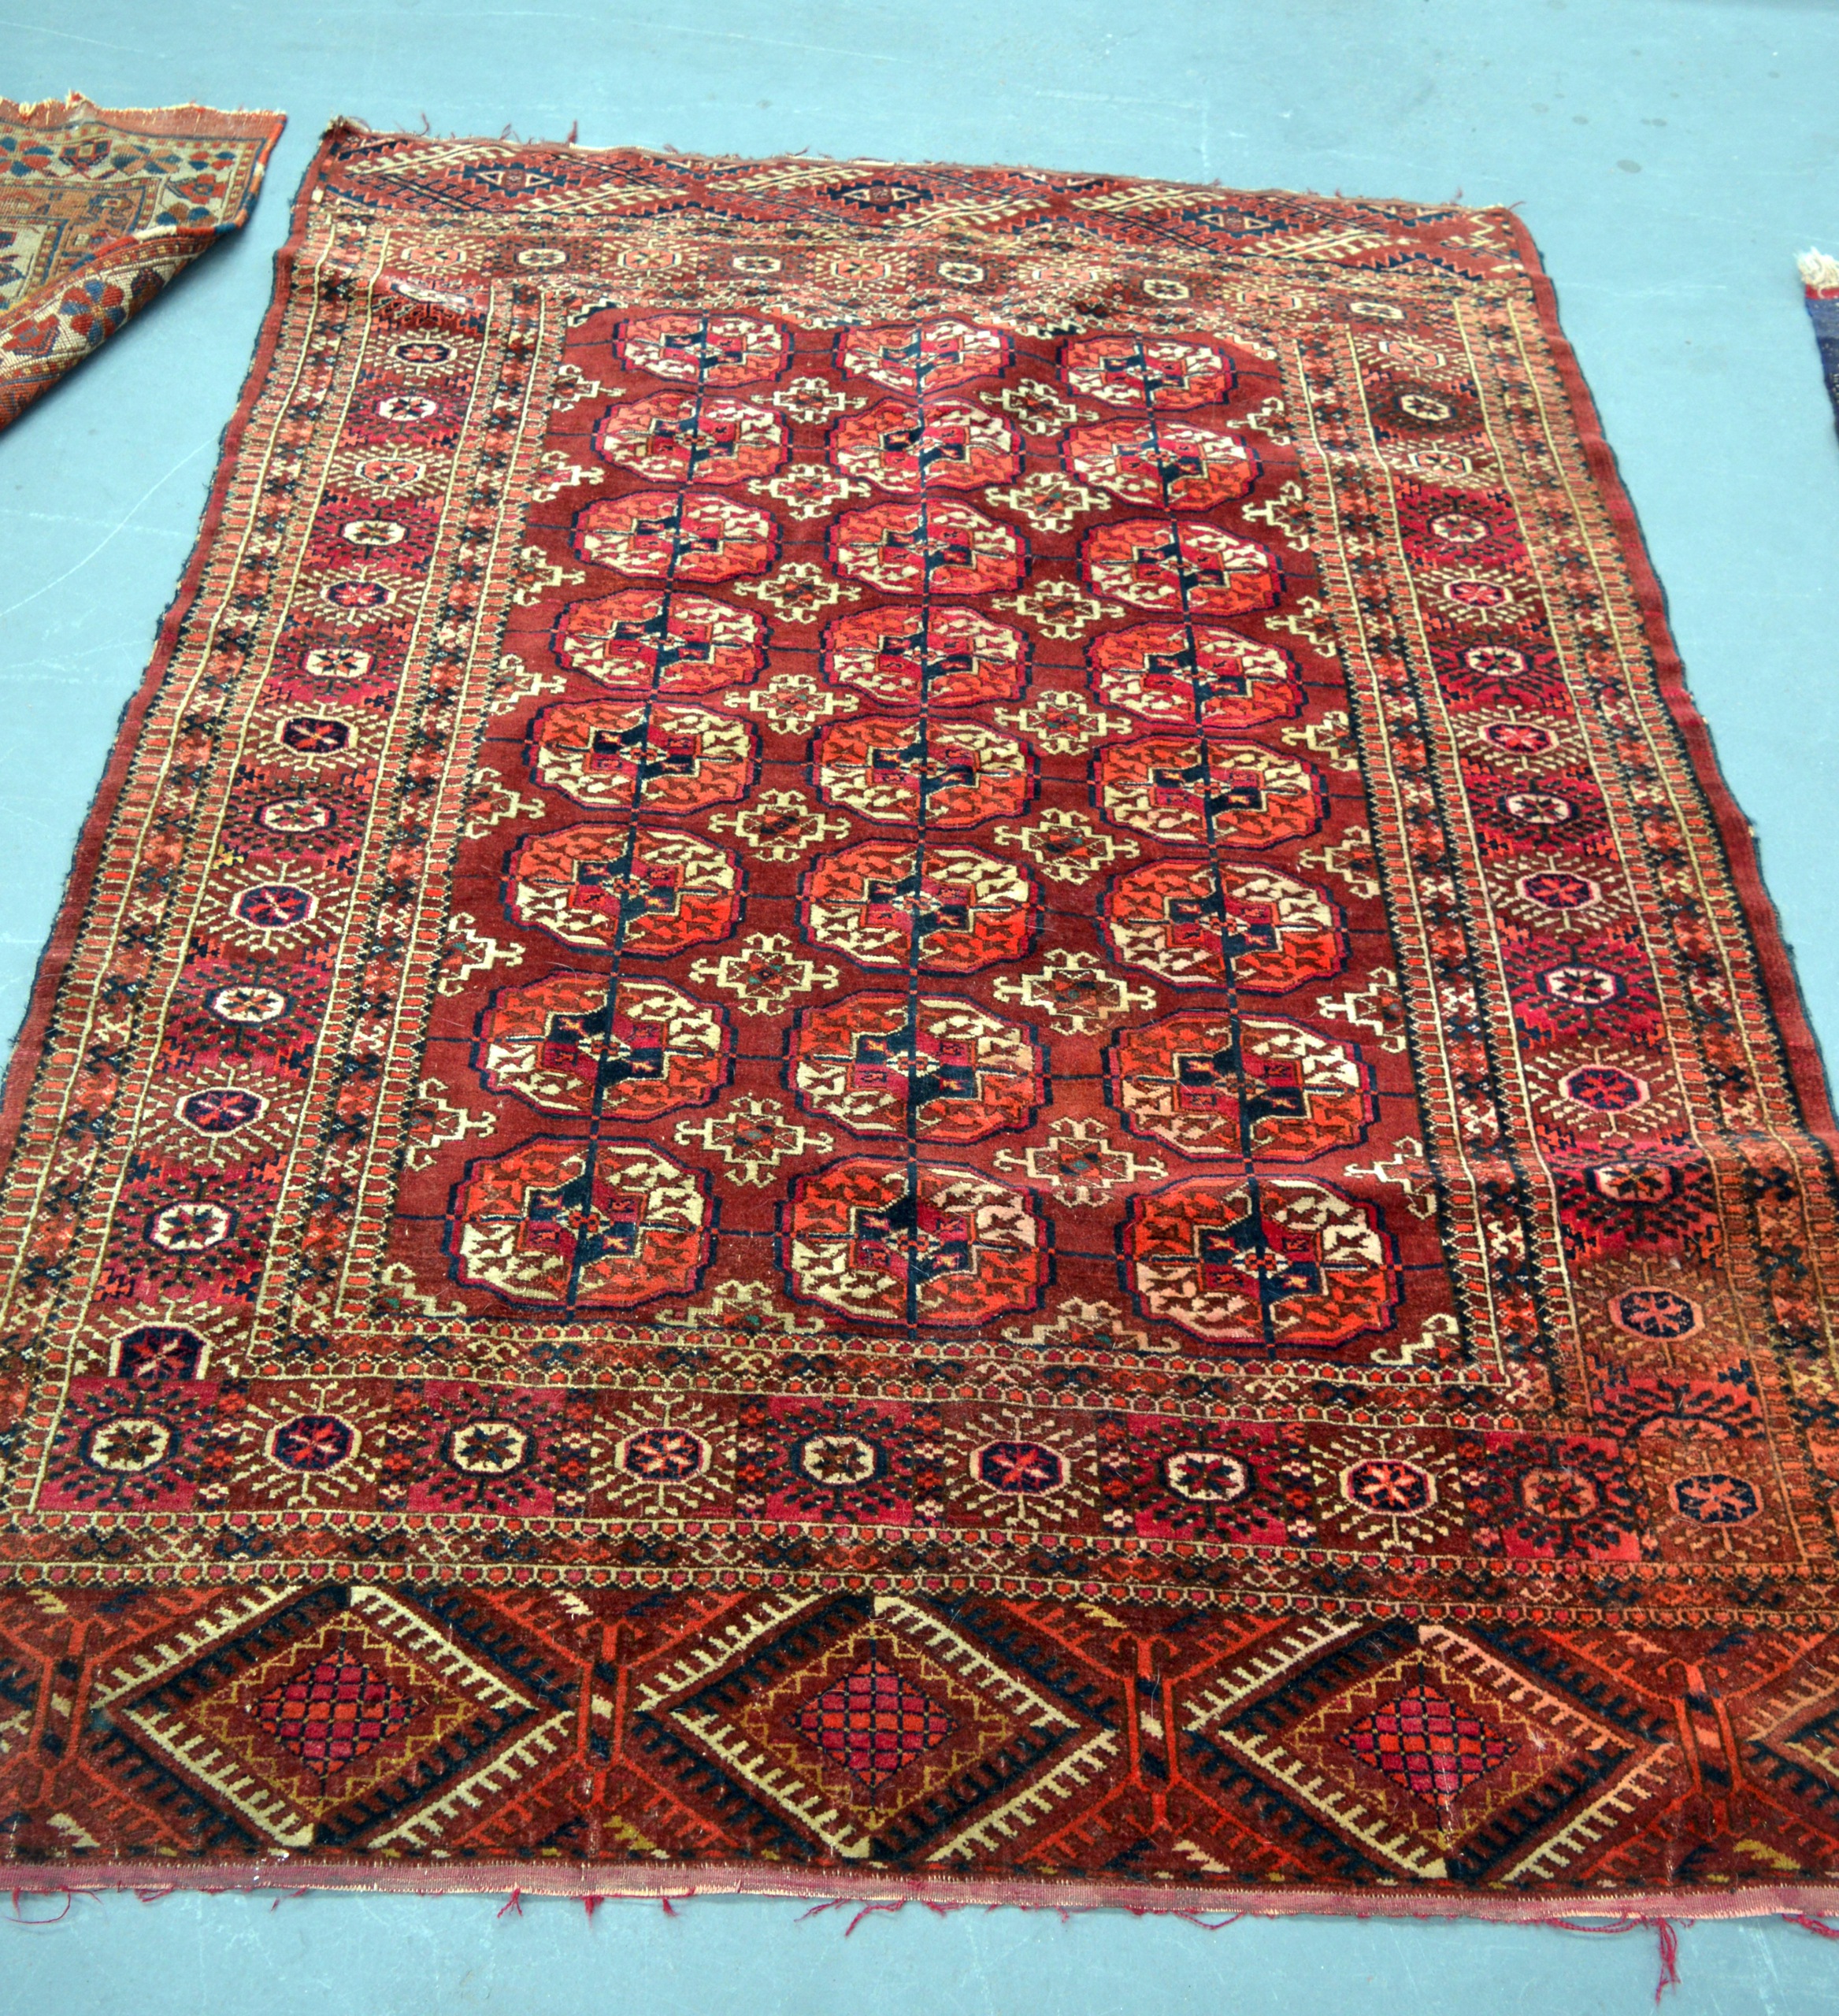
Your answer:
<point x="1664" y="1929"/>
<point x="1669" y="1960"/>
<point x="20" y="1917"/>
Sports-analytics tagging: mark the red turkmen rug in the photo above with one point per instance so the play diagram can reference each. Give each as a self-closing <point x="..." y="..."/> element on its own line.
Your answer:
<point x="913" y="1046"/>
<point x="99" y="210"/>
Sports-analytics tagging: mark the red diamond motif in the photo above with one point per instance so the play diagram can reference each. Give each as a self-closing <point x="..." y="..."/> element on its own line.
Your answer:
<point x="332" y="1714"/>
<point x="1423" y="1741"/>
<point x="874" y="1722"/>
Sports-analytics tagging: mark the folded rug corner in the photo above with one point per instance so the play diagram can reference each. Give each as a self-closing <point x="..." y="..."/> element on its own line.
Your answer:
<point x="99" y="210"/>
<point x="1819" y="274"/>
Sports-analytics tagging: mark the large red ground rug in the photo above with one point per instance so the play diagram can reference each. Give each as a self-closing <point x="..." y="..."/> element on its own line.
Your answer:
<point x="912" y="1046"/>
<point x="99" y="210"/>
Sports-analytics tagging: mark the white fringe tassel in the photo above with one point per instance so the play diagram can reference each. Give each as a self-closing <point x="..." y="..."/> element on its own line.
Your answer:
<point x="1819" y="269"/>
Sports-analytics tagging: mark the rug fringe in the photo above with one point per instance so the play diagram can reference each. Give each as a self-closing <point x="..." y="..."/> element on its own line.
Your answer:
<point x="1666" y="1930"/>
<point x="1819" y="272"/>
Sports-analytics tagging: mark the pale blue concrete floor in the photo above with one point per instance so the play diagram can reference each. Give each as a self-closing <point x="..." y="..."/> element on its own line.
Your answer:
<point x="1670" y="156"/>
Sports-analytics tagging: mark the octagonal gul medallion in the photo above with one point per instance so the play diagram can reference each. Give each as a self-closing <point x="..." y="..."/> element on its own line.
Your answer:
<point x="936" y="546"/>
<point x="571" y="1042"/>
<point x="1245" y="1086"/>
<point x="1162" y="462"/>
<point x="627" y="756"/>
<point x="612" y="889"/>
<point x="1259" y="1261"/>
<point x="1202" y="924"/>
<point x="691" y="437"/>
<point x="1160" y="374"/>
<point x="942" y="1069"/>
<point x="931" y="356"/>
<point x="642" y="641"/>
<point x="927" y="772"/>
<point x="1182" y="564"/>
<point x="949" y="445"/>
<point x="678" y="535"/>
<point x="942" y="908"/>
<point x="890" y="1241"/>
<point x="1190" y="790"/>
<point x="579" y="1224"/>
<point x="704" y="350"/>
<point x="230" y="1117"/>
<point x="1193" y="675"/>
<point x="947" y="657"/>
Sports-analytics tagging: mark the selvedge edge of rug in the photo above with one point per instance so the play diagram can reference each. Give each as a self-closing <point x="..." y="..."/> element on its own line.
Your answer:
<point x="1248" y="1634"/>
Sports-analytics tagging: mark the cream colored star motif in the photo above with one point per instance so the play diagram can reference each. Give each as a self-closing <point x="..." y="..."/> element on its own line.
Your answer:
<point x="1312" y="620"/>
<point x="469" y="950"/>
<point x="434" y="1121"/>
<point x="667" y="1454"/>
<point x="810" y="402"/>
<point x="1332" y="739"/>
<point x="800" y="591"/>
<point x="1440" y="465"/>
<point x="1063" y="722"/>
<point x="399" y="1293"/>
<point x="1036" y="408"/>
<point x="780" y="826"/>
<point x="1059" y="609"/>
<point x="533" y="574"/>
<point x="338" y="1428"/>
<point x="420" y="473"/>
<point x="808" y="490"/>
<point x="753" y="1137"/>
<point x="513" y="682"/>
<point x="1376" y="1007"/>
<point x="1079" y="1163"/>
<point x="1407" y="1168"/>
<point x="1049" y="500"/>
<point x="748" y="1307"/>
<point x="1080" y="996"/>
<point x="556" y="473"/>
<point x="1271" y="420"/>
<point x="572" y="385"/>
<point x="1067" y="846"/>
<point x="1081" y="1326"/>
<point x="490" y="802"/>
<point x="1287" y="513"/>
<point x="794" y="703"/>
<point x="765" y="974"/>
<point x="1351" y="860"/>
